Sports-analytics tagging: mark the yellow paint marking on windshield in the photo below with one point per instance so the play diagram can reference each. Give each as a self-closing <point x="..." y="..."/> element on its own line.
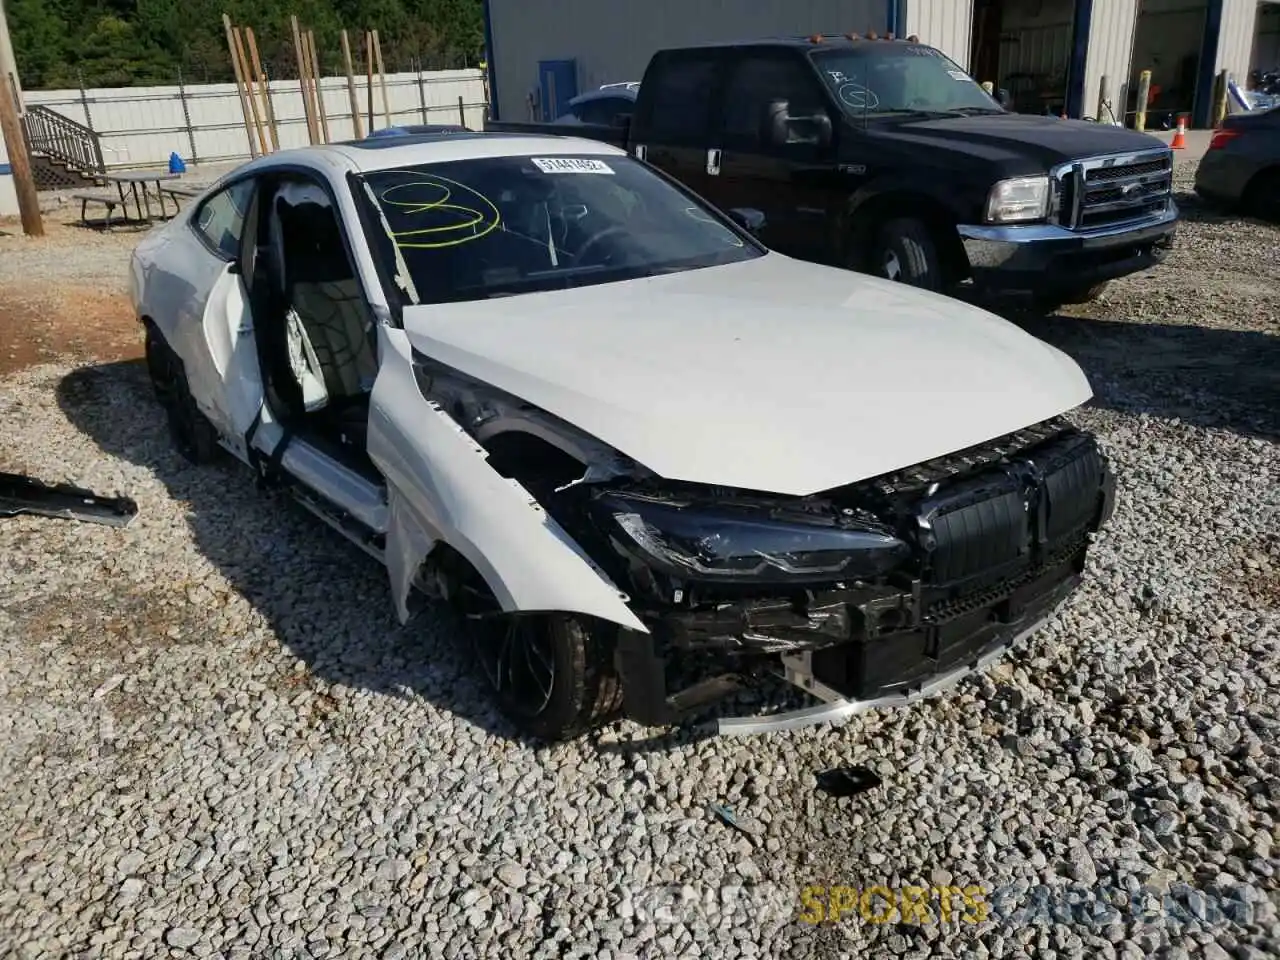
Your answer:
<point x="480" y="222"/>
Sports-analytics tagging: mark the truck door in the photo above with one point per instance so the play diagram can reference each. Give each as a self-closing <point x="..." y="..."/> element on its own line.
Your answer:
<point x="672" y="128"/>
<point x="793" y="183"/>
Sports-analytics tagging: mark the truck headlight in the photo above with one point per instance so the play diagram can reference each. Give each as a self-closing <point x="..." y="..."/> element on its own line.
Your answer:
<point x="1018" y="200"/>
<point x="691" y="541"/>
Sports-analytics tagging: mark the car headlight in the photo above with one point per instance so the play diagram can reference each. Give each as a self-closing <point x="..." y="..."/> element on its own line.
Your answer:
<point x="1018" y="200"/>
<point x="692" y="541"/>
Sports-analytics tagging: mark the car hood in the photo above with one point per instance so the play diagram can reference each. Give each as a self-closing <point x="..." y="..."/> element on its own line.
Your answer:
<point x="771" y="374"/>
<point x="1008" y="136"/>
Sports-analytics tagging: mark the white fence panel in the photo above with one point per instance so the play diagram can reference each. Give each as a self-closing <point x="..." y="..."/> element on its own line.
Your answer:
<point x="141" y="126"/>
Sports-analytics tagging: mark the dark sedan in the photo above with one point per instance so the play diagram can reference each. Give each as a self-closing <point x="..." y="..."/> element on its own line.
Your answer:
<point x="1242" y="165"/>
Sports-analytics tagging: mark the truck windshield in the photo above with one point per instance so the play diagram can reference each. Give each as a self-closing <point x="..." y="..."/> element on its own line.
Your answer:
<point x="891" y="78"/>
<point x="497" y="226"/>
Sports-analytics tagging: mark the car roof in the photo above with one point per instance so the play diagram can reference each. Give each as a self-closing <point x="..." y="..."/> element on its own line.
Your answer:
<point x="606" y="93"/>
<point x="385" y="153"/>
<point x="822" y="42"/>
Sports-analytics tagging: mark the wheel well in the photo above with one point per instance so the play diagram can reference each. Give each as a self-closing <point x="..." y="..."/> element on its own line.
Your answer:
<point x="1260" y="178"/>
<point x="540" y="466"/>
<point x="867" y="219"/>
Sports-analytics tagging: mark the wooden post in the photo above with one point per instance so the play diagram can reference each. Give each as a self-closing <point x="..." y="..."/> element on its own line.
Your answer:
<point x="1220" y="100"/>
<point x="302" y="78"/>
<point x="1140" y="102"/>
<point x="368" y="67"/>
<point x="382" y="78"/>
<point x="252" y="95"/>
<point x="15" y="144"/>
<point x="244" y="101"/>
<point x="357" y="126"/>
<point x="264" y="88"/>
<point x="317" y="86"/>
<point x="462" y="111"/>
<point x="1103" y="89"/>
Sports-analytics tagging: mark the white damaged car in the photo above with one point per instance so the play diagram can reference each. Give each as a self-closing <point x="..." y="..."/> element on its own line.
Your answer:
<point x="539" y="379"/>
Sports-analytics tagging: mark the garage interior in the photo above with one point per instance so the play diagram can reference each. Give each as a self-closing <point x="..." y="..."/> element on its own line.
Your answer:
<point x="1025" y="47"/>
<point x="1266" y="42"/>
<point x="1169" y="40"/>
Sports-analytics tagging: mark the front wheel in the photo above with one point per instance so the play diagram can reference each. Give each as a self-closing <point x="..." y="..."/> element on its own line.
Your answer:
<point x="904" y="251"/>
<point x="552" y="674"/>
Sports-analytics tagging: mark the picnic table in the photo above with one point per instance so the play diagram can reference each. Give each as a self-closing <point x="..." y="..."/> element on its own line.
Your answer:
<point x="134" y="180"/>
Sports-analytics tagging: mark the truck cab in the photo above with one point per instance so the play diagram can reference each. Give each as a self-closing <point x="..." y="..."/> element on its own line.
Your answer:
<point x="885" y="156"/>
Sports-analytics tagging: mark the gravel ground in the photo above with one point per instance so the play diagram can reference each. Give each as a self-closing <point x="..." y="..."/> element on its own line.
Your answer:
<point x="217" y="740"/>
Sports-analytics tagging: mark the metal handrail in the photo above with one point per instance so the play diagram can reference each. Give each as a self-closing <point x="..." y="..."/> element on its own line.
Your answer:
<point x="61" y="138"/>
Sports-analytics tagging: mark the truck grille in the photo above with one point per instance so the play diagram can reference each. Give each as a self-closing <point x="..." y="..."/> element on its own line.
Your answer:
<point x="1103" y="191"/>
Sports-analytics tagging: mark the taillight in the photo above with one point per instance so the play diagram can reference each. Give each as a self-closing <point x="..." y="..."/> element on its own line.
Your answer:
<point x="1221" y="138"/>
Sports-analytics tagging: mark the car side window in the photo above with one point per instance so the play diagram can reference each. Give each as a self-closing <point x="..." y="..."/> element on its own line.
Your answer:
<point x="754" y="81"/>
<point x="680" y="99"/>
<point x="220" y="219"/>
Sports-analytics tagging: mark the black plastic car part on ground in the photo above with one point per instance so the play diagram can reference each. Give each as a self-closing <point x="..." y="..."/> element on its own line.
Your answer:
<point x="885" y="156"/>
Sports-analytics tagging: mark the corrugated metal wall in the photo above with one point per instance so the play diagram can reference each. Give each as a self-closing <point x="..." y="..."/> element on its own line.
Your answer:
<point x="1110" y="52"/>
<point x="1235" y="44"/>
<point x="612" y="40"/>
<point x="945" y="24"/>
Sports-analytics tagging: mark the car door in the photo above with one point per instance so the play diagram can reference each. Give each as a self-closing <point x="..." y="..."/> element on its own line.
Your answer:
<point x="673" y="130"/>
<point x="792" y="183"/>
<point x="197" y="292"/>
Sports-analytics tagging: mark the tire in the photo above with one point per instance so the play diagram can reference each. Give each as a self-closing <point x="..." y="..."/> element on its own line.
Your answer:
<point x="904" y="250"/>
<point x="1262" y="196"/>
<point x="580" y="691"/>
<point x="189" y="429"/>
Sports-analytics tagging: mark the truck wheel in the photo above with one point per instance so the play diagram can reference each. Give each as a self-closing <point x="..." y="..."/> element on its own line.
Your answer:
<point x="904" y="251"/>
<point x="192" y="433"/>
<point x="551" y="674"/>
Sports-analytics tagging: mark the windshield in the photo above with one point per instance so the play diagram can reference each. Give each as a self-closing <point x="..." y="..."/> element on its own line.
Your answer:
<point x="901" y="79"/>
<point x="497" y="226"/>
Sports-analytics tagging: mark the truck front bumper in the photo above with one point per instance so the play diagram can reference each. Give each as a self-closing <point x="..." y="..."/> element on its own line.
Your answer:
<point x="1043" y="258"/>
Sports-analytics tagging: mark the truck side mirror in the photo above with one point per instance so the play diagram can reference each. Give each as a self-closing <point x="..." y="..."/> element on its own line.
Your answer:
<point x="781" y="128"/>
<point x="1004" y="98"/>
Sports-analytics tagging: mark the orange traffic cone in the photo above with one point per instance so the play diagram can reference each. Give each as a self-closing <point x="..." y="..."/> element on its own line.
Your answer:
<point x="1180" y="135"/>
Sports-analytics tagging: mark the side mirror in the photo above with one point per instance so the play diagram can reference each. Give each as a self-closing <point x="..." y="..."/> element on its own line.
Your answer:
<point x="748" y="218"/>
<point x="781" y="128"/>
<point x="1004" y="98"/>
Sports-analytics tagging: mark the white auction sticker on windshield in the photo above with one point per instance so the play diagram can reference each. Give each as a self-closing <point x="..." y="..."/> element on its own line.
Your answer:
<point x="960" y="75"/>
<point x="570" y="165"/>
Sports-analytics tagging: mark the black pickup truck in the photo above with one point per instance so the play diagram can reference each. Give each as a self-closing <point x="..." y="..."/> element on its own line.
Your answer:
<point x="885" y="156"/>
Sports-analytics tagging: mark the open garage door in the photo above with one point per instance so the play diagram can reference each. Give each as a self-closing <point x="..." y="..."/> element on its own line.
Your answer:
<point x="1025" y="47"/>
<point x="1169" y="42"/>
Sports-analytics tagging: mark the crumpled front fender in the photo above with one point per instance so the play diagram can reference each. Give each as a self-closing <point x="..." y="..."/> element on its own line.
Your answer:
<point x="441" y="488"/>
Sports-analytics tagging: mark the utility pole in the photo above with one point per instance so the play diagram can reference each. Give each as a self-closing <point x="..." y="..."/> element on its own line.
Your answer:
<point x="15" y="142"/>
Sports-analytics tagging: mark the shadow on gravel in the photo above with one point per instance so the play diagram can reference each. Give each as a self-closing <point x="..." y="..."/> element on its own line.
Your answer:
<point x="325" y="600"/>
<point x="1209" y="377"/>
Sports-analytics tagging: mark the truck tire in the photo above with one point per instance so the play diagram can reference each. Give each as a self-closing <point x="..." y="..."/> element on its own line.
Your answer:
<point x="192" y="433"/>
<point x="556" y="678"/>
<point x="904" y="251"/>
